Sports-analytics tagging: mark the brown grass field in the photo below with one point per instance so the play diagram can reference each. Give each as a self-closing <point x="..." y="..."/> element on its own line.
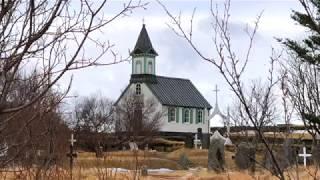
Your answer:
<point x="155" y="160"/>
<point x="88" y="167"/>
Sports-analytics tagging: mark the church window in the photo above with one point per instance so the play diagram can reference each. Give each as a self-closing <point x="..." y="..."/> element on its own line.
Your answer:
<point x="138" y="89"/>
<point x="199" y="116"/>
<point x="138" y="67"/>
<point x="186" y="116"/>
<point x="150" y="67"/>
<point x="171" y="114"/>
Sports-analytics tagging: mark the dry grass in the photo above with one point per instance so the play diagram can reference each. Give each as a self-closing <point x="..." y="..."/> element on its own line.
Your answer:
<point x="88" y="167"/>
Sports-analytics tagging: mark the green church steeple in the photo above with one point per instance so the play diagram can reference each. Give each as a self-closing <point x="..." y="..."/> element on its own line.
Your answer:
<point x="143" y="44"/>
<point x="143" y="54"/>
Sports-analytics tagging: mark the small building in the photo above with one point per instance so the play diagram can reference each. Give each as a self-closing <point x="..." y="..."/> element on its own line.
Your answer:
<point x="186" y="108"/>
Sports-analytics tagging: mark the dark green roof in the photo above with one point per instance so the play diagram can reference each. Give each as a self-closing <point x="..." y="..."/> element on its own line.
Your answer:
<point x="143" y="45"/>
<point x="177" y="92"/>
<point x="171" y="91"/>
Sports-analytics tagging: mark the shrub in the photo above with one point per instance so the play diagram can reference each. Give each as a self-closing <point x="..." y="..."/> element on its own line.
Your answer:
<point x="184" y="161"/>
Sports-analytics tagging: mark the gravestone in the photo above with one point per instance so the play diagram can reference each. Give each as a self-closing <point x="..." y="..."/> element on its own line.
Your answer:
<point x="270" y="165"/>
<point x="245" y="156"/>
<point x="4" y="150"/>
<point x="99" y="152"/>
<point x="133" y="146"/>
<point x="285" y="157"/>
<point x="216" y="152"/>
<point x="289" y="154"/>
<point x="184" y="161"/>
<point x="228" y="142"/>
<point x="316" y="154"/>
<point x="144" y="171"/>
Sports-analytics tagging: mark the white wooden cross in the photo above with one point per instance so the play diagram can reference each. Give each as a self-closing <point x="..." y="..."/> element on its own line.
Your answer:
<point x="305" y="155"/>
<point x="72" y="140"/>
<point x="196" y="141"/>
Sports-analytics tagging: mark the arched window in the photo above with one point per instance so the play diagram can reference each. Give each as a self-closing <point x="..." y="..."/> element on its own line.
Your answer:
<point x="150" y="68"/>
<point x="171" y="114"/>
<point x="199" y="116"/>
<point x="186" y="116"/>
<point x="138" y="89"/>
<point x="138" y="67"/>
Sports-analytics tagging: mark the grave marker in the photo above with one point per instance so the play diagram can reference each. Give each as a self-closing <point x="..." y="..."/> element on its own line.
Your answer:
<point x="196" y="142"/>
<point x="305" y="155"/>
<point x="71" y="153"/>
<point x="133" y="146"/>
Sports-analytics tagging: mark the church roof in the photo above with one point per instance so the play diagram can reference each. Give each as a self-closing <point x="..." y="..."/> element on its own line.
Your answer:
<point x="177" y="92"/>
<point x="143" y="45"/>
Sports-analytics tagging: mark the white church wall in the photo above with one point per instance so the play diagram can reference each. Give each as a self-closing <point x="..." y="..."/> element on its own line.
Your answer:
<point x="179" y="126"/>
<point x="147" y="94"/>
<point x="170" y="126"/>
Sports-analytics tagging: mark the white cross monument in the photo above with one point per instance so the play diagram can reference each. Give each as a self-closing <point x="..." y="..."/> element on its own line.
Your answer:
<point x="305" y="155"/>
<point x="71" y="153"/>
<point x="197" y="142"/>
<point x="72" y="140"/>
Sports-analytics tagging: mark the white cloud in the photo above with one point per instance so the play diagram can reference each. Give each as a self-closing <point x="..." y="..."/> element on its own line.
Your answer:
<point x="176" y="58"/>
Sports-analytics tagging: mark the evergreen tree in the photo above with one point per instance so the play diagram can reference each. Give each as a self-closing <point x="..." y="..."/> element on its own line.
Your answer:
<point x="307" y="53"/>
<point x="307" y="50"/>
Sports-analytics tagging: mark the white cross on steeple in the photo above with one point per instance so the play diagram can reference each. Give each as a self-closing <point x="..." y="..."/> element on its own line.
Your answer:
<point x="216" y="90"/>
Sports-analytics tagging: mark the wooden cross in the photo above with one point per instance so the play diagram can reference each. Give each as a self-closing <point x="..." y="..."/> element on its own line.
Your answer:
<point x="305" y="155"/>
<point x="72" y="140"/>
<point x="196" y="141"/>
<point x="71" y="153"/>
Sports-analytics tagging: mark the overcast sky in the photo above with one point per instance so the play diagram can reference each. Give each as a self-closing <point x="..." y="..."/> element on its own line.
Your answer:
<point x="176" y="59"/>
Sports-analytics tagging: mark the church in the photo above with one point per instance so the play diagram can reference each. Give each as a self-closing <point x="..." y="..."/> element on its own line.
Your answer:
<point x="187" y="111"/>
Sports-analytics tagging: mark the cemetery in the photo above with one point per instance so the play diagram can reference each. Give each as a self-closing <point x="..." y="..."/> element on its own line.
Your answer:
<point x="152" y="114"/>
<point x="226" y="158"/>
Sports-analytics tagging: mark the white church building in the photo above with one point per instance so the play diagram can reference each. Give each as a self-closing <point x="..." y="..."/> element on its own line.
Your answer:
<point x="187" y="111"/>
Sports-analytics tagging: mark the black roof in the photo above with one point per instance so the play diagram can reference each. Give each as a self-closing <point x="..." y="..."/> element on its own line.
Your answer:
<point x="143" y="45"/>
<point x="177" y="92"/>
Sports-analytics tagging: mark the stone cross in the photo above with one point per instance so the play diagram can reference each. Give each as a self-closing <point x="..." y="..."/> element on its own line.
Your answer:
<point x="305" y="155"/>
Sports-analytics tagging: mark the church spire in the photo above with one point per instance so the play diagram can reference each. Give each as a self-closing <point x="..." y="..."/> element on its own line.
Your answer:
<point x="143" y="44"/>
<point x="216" y="108"/>
<point x="143" y="55"/>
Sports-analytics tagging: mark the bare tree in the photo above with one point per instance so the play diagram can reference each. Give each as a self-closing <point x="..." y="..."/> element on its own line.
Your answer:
<point x="263" y="110"/>
<point x="232" y="67"/>
<point x="39" y="42"/>
<point x="301" y="70"/>
<point x="138" y="119"/>
<point x="36" y="131"/>
<point x="93" y="119"/>
<point x="302" y="88"/>
<point x="257" y="105"/>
